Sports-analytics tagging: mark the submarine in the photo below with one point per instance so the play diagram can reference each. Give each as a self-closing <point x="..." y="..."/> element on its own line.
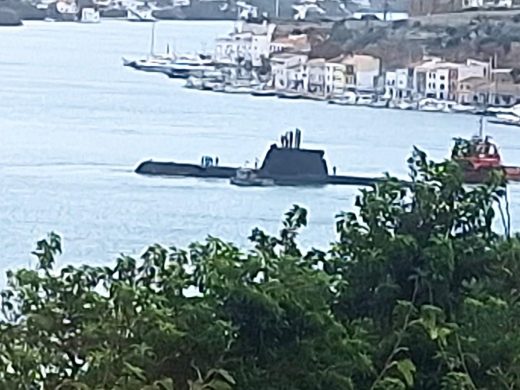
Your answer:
<point x="286" y="164"/>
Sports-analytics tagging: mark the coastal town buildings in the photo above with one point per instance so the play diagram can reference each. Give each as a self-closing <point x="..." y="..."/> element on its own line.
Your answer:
<point x="355" y="71"/>
<point x="323" y="78"/>
<point x="291" y="68"/>
<point x="250" y="42"/>
<point x="499" y="89"/>
<point x="439" y="79"/>
<point x="338" y="77"/>
<point x="287" y="70"/>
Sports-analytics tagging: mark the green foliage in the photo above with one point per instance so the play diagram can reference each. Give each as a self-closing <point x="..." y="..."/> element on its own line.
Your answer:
<point x="418" y="292"/>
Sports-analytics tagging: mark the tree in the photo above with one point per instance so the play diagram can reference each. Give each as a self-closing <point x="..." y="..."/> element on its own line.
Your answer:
<point x="418" y="292"/>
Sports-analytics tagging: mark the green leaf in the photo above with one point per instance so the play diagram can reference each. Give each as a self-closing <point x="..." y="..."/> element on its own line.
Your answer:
<point x="407" y="370"/>
<point x="136" y="372"/>
<point x="71" y="385"/>
<point x="164" y="384"/>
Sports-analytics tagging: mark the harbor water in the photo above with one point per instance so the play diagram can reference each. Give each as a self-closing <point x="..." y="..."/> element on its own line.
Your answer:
<point x="74" y="123"/>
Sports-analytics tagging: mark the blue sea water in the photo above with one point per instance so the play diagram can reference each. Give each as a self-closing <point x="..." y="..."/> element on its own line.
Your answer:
<point x="74" y="123"/>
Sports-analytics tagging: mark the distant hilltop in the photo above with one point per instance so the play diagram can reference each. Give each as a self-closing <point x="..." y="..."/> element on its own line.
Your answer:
<point x="453" y="36"/>
<point x="317" y="10"/>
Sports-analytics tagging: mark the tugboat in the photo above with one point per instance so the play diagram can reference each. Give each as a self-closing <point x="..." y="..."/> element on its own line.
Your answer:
<point x="247" y="177"/>
<point x="479" y="157"/>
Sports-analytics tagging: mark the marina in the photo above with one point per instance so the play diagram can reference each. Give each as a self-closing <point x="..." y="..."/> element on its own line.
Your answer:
<point x="281" y="67"/>
<point x="77" y="125"/>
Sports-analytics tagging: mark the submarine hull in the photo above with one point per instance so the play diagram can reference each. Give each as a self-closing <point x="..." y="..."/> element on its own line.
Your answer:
<point x="158" y="168"/>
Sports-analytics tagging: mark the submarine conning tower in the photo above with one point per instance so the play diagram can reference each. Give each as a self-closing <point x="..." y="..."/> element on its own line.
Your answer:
<point x="289" y="162"/>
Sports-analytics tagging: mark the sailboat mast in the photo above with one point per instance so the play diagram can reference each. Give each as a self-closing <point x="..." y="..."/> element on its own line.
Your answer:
<point x="277" y="8"/>
<point x="152" y="40"/>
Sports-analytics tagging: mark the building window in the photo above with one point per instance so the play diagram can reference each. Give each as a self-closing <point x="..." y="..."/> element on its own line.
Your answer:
<point x="442" y="87"/>
<point x="441" y="95"/>
<point x="442" y="77"/>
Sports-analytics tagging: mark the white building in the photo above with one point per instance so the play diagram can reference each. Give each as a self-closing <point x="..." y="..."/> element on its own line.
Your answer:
<point x="391" y="84"/>
<point x="284" y="69"/>
<point x="439" y="79"/>
<point x="338" y="77"/>
<point x="261" y="45"/>
<point x="229" y="50"/>
<point x="362" y="71"/>
<point x="404" y="82"/>
<point x="471" y="4"/>
<point x="316" y="73"/>
<point x="247" y="42"/>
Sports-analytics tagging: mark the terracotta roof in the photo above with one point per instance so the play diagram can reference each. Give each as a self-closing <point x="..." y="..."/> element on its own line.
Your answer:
<point x="301" y="39"/>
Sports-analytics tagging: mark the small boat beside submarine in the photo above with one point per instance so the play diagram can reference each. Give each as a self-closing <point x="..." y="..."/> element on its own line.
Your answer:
<point x="284" y="164"/>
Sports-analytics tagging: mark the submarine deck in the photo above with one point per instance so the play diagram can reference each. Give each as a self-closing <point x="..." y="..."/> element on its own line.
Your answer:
<point x="157" y="168"/>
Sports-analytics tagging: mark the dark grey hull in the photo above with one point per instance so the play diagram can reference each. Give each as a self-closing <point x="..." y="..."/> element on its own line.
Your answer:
<point x="156" y="168"/>
<point x="186" y="170"/>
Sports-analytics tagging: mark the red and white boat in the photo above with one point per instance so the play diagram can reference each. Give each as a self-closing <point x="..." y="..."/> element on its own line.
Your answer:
<point x="479" y="157"/>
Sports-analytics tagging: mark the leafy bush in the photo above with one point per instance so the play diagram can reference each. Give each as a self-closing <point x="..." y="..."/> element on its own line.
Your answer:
<point x="418" y="292"/>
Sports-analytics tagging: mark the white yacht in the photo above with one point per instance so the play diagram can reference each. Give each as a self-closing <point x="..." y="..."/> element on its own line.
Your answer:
<point x="186" y="65"/>
<point x="463" y="108"/>
<point x="431" y="105"/>
<point x="244" y="89"/>
<point x="515" y="110"/>
<point x="364" y="99"/>
<point x="153" y="63"/>
<point x="348" y="99"/>
<point x="404" y="105"/>
<point x="506" y="119"/>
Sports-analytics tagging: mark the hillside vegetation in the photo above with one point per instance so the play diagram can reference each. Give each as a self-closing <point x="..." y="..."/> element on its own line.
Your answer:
<point x="454" y="37"/>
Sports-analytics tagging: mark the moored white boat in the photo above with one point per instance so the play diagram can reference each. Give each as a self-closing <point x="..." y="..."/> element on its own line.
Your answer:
<point x="364" y="99"/>
<point x="381" y="103"/>
<point x="194" y="83"/>
<point x="515" y="110"/>
<point x="263" y="91"/>
<point x="463" y="108"/>
<point x="405" y="105"/>
<point x="506" y="119"/>
<point x="153" y="63"/>
<point x="288" y="94"/>
<point x="431" y="105"/>
<point x="238" y="89"/>
<point x="347" y="99"/>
